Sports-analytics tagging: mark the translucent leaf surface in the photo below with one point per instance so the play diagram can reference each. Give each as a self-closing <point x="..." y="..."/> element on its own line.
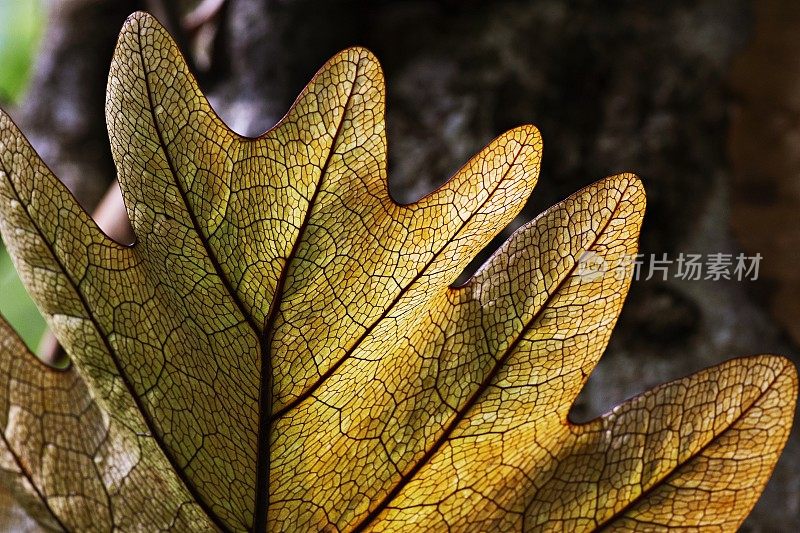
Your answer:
<point x="282" y="349"/>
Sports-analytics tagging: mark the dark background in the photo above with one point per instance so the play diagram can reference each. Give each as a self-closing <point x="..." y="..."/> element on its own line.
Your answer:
<point x="700" y="99"/>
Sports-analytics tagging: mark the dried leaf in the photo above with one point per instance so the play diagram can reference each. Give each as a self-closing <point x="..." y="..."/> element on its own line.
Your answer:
<point x="281" y="347"/>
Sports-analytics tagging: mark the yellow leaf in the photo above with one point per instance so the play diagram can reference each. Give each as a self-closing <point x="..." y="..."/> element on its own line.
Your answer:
<point x="282" y="349"/>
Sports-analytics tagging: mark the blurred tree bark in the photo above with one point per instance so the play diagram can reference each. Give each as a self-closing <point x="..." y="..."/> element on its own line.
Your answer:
<point x="614" y="86"/>
<point x="765" y="134"/>
<point x="62" y="114"/>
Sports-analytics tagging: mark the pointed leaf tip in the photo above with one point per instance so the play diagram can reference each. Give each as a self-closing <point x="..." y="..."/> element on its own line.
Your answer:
<point x="281" y="347"/>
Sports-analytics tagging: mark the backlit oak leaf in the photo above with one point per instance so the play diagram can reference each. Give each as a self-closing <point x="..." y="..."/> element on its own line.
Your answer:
<point x="282" y="349"/>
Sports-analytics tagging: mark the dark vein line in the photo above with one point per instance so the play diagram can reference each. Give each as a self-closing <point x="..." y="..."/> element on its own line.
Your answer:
<point x="27" y="475"/>
<point x="266" y="389"/>
<point x="676" y="471"/>
<point x="390" y="307"/>
<point x="115" y="359"/>
<point x="484" y="385"/>
<point x="203" y="238"/>
<point x="117" y="363"/>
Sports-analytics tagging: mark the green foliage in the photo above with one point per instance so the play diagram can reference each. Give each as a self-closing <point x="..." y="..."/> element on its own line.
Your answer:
<point x="21" y="23"/>
<point x="16" y="305"/>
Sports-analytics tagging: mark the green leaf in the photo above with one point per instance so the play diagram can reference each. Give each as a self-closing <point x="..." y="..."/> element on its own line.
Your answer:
<point x="16" y="305"/>
<point x="20" y="28"/>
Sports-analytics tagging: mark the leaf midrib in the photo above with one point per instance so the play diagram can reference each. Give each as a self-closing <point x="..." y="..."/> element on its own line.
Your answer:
<point x="265" y="335"/>
<point x="309" y="391"/>
<point x="484" y="385"/>
<point x="190" y="486"/>
<point x="23" y="470"/>
<point x="115" y="360"/>
<point x="606" y="524"/>
<point x="262" y="489"/>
